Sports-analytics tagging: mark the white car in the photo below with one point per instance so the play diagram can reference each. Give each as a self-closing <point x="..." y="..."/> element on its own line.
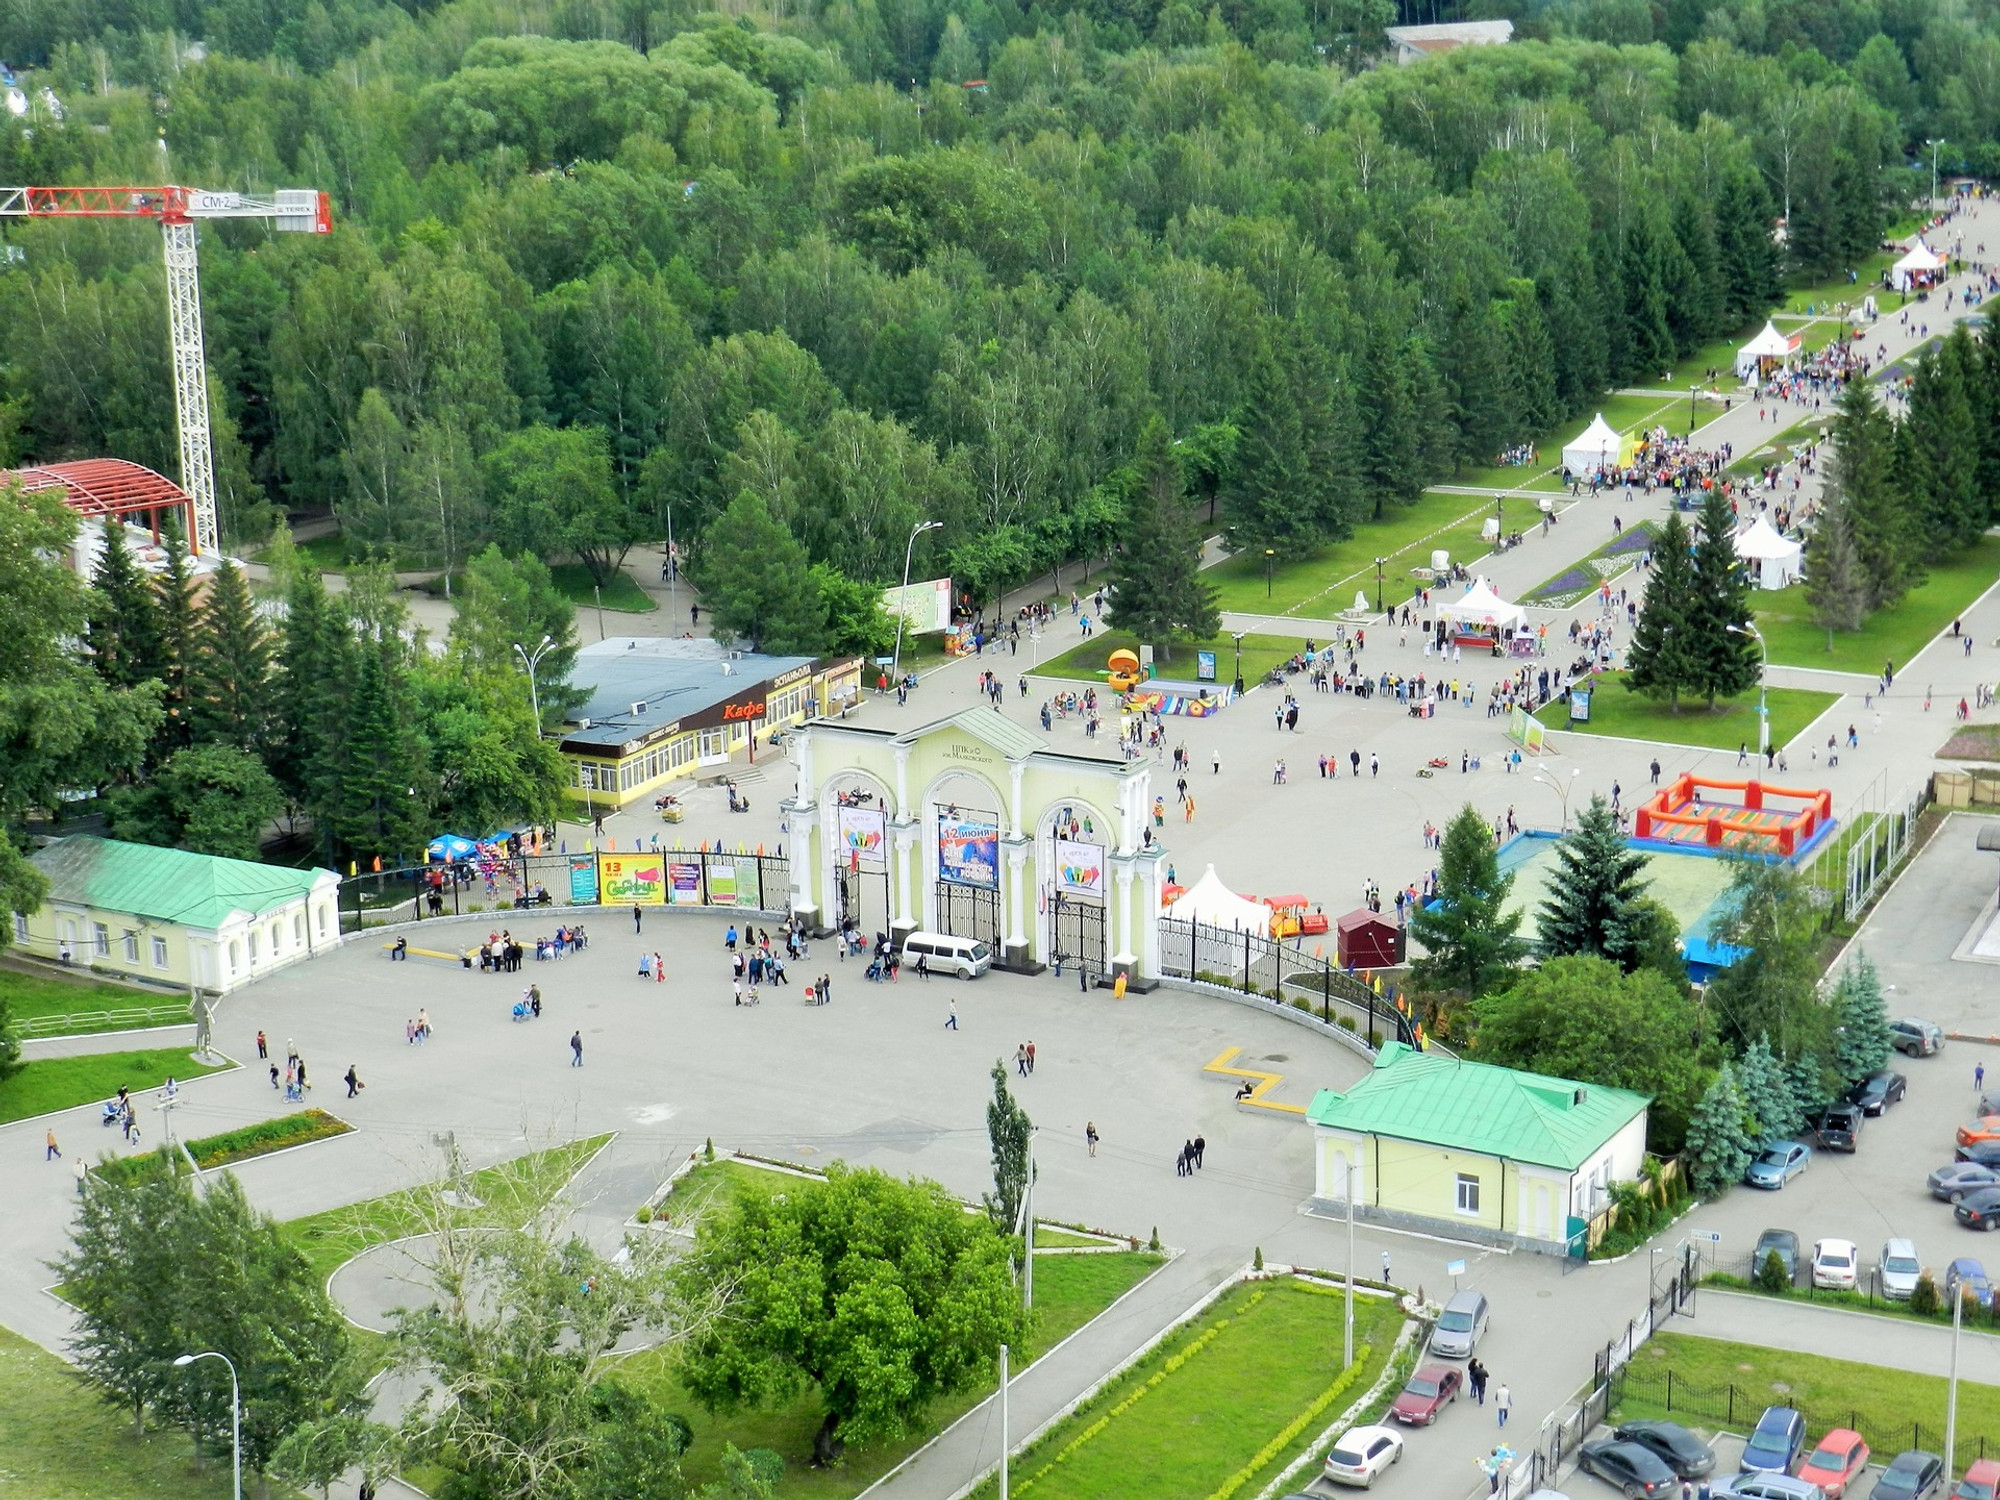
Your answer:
<point x="1361" y="1454"/>
<point x="1901" y="1270"/>
<point x="1835" y="1264"/>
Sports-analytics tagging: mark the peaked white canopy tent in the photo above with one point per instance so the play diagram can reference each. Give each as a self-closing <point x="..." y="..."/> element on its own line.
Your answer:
<point x="1772" y="557"/>
<point x="1768" y="345"/>
<point x="1214" y="904"/>
<point x="1919" y="267"/>
<point x="1480" y="605"/>
<point x="1596" y="448"/>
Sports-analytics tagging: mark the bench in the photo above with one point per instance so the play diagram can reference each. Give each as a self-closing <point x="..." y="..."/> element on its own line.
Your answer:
<point x="466" y="959"/>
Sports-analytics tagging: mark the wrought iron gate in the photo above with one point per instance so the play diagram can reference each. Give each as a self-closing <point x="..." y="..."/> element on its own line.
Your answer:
<point x="862" y="895"/>
<point x="1079" y="931"/>
<point x="969" y="912"/>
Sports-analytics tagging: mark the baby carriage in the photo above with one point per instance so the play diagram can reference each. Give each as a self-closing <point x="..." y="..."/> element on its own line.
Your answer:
<point x="874" y="973"/>
<point x="521" y="1010"/>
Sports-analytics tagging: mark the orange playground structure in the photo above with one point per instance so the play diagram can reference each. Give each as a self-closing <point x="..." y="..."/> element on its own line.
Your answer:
<point x="1693" y="814"/>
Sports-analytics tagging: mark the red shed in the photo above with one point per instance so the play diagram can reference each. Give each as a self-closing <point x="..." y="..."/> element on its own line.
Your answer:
<point x="1368" y="940"/>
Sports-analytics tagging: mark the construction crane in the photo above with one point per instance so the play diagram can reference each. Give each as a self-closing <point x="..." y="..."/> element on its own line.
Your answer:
<point x="292" y="210"/>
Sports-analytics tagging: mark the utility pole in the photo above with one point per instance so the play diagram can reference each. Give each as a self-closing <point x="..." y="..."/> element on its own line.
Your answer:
<point x="1003" y="1422"/>
<point x="1027" y="1229"/>
<point x="1347" y="1340"/>
<point x="1951" y="1388"/>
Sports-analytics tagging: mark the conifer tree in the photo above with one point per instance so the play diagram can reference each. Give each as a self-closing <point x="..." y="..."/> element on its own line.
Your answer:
<point x="1724" y="655"/>
<point x="124" y="629"/>
<point x="179" y="616"/>
<point x="1938" y="445"/>
<point x="1662" y="662"/>
<point x="229" y="688"/>
<point x="312" y="693"/>
<point x="1270" y="475"/>
<point x="756" y="581"/>
<point x="1767" y="1091"/>
<point x="1861" y="1037"/>
<point x="1836" y="586"/>
<point x="1863" y="478"/>
<point x="385" y="794"/>
<point x="1719" y="1145"/>
<point x="1593" y="893"/>
<point x="1469" y="937"/>
<point x="1157" y="591"/>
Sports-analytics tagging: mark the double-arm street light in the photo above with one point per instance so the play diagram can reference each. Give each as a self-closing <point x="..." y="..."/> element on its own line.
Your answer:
<point x="531" y="660"/>
<point x="1763" y="671"/>
<point x="1561" y="789"/>
<point x="235" y="1413"/>
<point x="903" y="599"/>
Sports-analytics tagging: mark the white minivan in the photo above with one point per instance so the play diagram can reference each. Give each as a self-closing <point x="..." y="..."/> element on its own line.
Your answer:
<point x="944" y="954"/>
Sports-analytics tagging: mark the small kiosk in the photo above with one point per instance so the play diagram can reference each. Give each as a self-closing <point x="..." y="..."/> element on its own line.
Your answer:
<point x="1366" y="940"/>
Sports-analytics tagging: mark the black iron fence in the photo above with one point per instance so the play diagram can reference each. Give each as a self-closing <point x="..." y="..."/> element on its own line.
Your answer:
<point x="670" y="877"/>
<point x="1283" y="973"/>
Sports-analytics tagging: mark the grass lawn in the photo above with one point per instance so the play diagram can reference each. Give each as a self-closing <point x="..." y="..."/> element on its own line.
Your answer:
<point x="1972" y="742"/>
<point x="1335" y="571"/>
<point x="65" y="1082"/>
<point x="1778" y="445"/>
<point x="42" y="997"/>
<point x="227" y="1148"/>
<point x="1215" y="1400"/>
<point x="327" y="553"/>
<point x="1048" y="1237"/>
<point x="1896" y="634"/>
<point x="1881" y="1404"/>
<point x="1820" y="296"/>
<point x="509" y="1192"/>
<point x="574" y="582"/>
<point x="1084" y="662"/>
<point x="1615" y="711"/>
<point x="60" y="1441"/>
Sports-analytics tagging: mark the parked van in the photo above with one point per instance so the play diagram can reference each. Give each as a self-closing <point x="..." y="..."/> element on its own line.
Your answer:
<point x="1460" y="1326"/>
<point x="945" y="954"/>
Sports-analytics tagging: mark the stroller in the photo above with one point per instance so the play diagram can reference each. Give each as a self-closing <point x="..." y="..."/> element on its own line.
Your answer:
<point x="113" y="1112"/>
<point x="874" y="974"/>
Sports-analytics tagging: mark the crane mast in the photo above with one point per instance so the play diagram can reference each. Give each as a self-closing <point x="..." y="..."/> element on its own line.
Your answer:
<point x="290" y="210"/>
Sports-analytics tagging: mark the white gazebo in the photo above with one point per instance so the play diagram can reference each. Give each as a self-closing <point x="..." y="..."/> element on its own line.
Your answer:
<point x="1481" y="606"/>
<point x="1919" y="267"/>
<point x="1596" y="448"/>
<point x="1774" y="558"/>
<point x="1213" y="904"/>
<point x="1768" y="345"/>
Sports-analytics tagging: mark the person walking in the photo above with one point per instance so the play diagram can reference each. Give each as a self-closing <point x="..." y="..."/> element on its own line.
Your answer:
<point x="1200" y="1146"/>
<point x="82" y="1169"/>
<point x="1089" y="1136"/>
<point x="635" y="916"/>
<point x="1031" y="1055"/>
<point x="263" y="1048"/>
<point x="54" y="1151"/>
<point x="1503" y="1402"/>
<point x="1475" y="1373"/>
<point x="576" y="1049"/>
<point x="951" y="1017"/>
<point x="924" y="967"/>
<point x="1386" y="1277"/>
<point x="1978" y="1076"/>
<point x="1181" y="1162"/>
<point x="1020" y="1062"/>
<point x="353" y="1081"/>
<point x="825" y="989"/>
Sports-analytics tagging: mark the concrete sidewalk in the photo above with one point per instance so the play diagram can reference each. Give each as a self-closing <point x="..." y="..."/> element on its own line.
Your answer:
<point x="1840" y="1333"/>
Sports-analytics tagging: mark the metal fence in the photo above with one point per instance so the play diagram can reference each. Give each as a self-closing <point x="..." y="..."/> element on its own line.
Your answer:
<point x="1881" y="829"/>
<point x="1283" y="973"/>
<point x="85" y="1022"/>
<point x="695" y="877"/>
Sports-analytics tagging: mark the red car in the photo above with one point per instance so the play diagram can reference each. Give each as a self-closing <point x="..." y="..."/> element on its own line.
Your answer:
<point x="1986" y="1128"/>
<point x="1834" y="1464"/>
<point x="1981" y="1482"/>
<point x="1426" y="1394"/>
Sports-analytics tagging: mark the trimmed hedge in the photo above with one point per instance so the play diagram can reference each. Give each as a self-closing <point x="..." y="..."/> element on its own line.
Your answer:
<point x="229" y="1147"/>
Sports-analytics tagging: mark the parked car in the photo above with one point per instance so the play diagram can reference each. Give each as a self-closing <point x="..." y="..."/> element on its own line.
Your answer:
<point x="1899" y="1270"/>
<point x="1911" y="1475"/>
<point x="1461" y="1325"/>
<point x="1984" y="1153"/>
<point x="1978" y="1210"/>
<point x="1785" y="1243"/>
<point x="1360" y="1455"/>
<point x="1777" y="1164"/>
<point x="1838" y="1127"/>
<point x="1954" y="1180"/>
<point x="1836" y="1264"/>
<point x="1915" y="1037"/>
<point x="1985" y="1128"/>
<point x="1426" y="1394"/>
<point x="1836" y="1463"/>
<point x="1878" y="1091"/>
<point x="1981" y="1481"/>
<point x="1775" y="1441"/>
<point x="1766" y="1487"/>
<point x="1968" y="1274"/>
<point x="1683" y="1452"/>
<point x="1635" y="1470"/>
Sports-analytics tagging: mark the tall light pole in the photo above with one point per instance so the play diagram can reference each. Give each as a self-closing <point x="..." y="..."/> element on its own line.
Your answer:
<point x="1270" y="561"/>
<point x="1561" y="789"/>
<point x="1499" y="526"/>
<point x="235" y="1412"/>
<point x="1763" y="671"/>
<point x="903" y="599"/>
<point x="532" y="660"/>
<point x="1934" y="144"/>
<point x="1380" y="563"/>
<point x="1237" y="636"/>
<point x="1691" y="390"/>
<point x="1347" y="1340"/>
<point x="597" y="593"/>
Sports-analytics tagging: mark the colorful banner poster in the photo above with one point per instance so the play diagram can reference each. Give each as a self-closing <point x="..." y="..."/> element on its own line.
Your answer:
<point x="969" y="851"/>
<point x="684" y="880"/>
<point x="864" y="838"/>
<point x="722" y="882"/>
<point x="632" y="879"/>
<point x="1204" y="666"/>
<point x="1079" y="868"/>
<point x="583" y="880"/>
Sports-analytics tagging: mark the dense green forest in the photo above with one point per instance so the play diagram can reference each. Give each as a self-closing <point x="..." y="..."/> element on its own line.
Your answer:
<point x="605" y="266"/>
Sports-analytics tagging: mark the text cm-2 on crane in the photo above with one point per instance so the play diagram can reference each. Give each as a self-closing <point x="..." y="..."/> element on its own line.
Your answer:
<point x="293" y="210"/>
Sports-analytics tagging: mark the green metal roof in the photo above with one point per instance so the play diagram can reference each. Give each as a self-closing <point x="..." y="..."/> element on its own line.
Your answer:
<point x="990" y="726"/>
<point x="1471" y="1106"/>
<point x="167" y="885"/>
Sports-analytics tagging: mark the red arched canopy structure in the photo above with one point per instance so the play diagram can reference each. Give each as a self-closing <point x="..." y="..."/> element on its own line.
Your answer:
<point x="106" y="487"/>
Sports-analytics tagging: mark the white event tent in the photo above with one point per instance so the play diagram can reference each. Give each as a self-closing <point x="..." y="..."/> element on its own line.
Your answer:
<point x="1213" y="904"/>
<point x="1920" y="265"/>
<point x="1480" y="605"/>
<point x="1770" y="344"/>
<point x="1775" y="558"/>
<point x="1597" y="448"/>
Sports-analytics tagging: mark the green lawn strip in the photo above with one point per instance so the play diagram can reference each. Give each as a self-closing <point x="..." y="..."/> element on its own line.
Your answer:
<point x="1895" y="634"/>
<point x="1823" y="296"/>
<point x="573" y="582"/>
<point x="1048" y="1236"/>
<point x="1084" y="662"/>
<point x="230" y="1147"/>
<point x="61" y="1440"/>
<point x="1070" y="1290"/>
<point x="1212" y="1405"/>
<point x="1616" y="711"/>
<point x="39" y="996"/>
<point x="54" y="1083"/>
<point x="509" y="1192"/>
<point x="1880" y="1403"/>
<point x="1583" y="577"/>
<point x="1779" y="446"/>
<point x="1972" y="742"/>
<point x="327" y="553"/>
<point x="1329" y="576"/>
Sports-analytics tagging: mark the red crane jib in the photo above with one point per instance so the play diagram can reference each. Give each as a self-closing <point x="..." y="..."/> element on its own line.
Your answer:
<point x="168" y="204"/>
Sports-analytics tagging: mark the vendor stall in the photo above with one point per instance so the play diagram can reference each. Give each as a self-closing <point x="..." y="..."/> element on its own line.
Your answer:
<point x="1213" y="904"/>
<point x="1598" y="447"/>
<point x="1919" y="268"/>
<point x="1773" y="559"/>
<point x="1480" y="617"/>
<point x="1765" y="353"/>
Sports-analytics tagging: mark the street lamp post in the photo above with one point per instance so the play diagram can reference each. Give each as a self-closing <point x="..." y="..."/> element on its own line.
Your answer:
<point x="1270" y="561"/>
<point x="1561" y="789"/>
<point x="235" y="1413"/>
<point x="1237" y="636"/>
<point x="532" y="660"/>
<point x="903" y="599"/>
<point x="597" y="593"/>
<point x="1763" y="671"/>
<point x="1499" y="526"/>
<point x="1934" y="144"/>
<point x="1380" y="563"/>
<point x="1691" y="391"/>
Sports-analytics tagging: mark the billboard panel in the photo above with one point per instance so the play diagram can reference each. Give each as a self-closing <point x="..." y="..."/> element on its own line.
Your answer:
<point x="863" y="838"/>
<point x="632" y="879"/>
<point x="923" y="606"/>
<point x="969" y="851"/>
<point x="1079" y="868"/>
<point x="583" y="880"/>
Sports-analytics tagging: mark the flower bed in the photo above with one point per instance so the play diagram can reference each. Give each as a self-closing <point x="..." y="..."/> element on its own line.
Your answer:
<point x="228" y="1148"/>
<point x="1606" y="562"/>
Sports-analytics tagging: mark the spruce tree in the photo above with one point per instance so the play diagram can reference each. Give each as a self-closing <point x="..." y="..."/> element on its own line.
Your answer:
<point x="229" y="688"/>
<point x="1862" y="480"/>
<point x="312" y="693"/>
<point x="1836" y="586"/>
<point x="1724" y="656"/>
<point x="1767" y="1091"/>
<point x="1747" y="253"/>
<point x="1392" y="468"/>
<point x="1530" y="362"/>
<point x="1469" y="937"/>
<point x="1719" y="1144"/>
<point x="179" y="615"/>
<point x="384" y="798"/>
<point x="1270" y="473"/>
<point x="124" y="628"/>
<point x="1861" y="1039"/>
<point x="1662" y="662"/>
<point x="1593" y="892"/>
<point x="1939" y="444"/>
<point x="1329" y="426"/>
<point x="756" y="581"/>
<point x="1157" y="591"/>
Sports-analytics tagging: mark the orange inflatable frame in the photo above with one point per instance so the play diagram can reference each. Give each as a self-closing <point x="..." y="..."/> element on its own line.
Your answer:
<point x="1682" y="814"/>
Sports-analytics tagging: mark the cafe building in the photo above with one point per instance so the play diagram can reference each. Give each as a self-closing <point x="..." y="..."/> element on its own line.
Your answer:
<point x="660" y="709"/>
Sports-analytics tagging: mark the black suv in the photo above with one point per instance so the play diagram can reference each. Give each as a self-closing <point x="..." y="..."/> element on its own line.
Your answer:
<point x="1838" y="1127"/>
